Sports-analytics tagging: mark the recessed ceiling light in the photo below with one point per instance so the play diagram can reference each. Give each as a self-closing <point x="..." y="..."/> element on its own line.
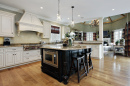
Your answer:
<point x="41" y="7"/>
<point x="113" y="9"/>
<point x="68" y="18"/>
<point x="78" y="15"/>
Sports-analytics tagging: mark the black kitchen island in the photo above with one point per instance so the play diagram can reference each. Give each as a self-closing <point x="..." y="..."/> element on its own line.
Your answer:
<point x="56" y="60"/>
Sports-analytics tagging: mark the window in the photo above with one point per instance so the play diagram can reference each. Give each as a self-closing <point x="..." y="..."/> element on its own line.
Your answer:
<point x="55" y="34"/>
<point x="89" y="36"/>
<point x="117" y="35"/>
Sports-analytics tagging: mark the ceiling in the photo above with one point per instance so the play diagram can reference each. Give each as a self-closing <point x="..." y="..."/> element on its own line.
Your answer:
<point x="87" y="9"/>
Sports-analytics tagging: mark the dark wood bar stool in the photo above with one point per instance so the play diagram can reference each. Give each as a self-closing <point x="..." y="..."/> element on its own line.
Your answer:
<point x="78" y="58"/>
<point x="89" y="60"/>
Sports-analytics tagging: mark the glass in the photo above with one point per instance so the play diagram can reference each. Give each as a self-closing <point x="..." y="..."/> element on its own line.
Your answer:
<point x="48" y="57"/>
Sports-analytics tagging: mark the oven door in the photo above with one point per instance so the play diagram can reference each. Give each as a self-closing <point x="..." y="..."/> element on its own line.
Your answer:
<point x="50" y="58"/>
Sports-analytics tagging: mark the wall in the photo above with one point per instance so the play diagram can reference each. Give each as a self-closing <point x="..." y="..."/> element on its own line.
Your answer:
<point x="111" y="26"/>
<point x="25" y="37"/>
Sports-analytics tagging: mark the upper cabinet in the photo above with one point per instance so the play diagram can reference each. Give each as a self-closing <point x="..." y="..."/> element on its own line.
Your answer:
<point x="6" y="24"/>
<point x="29" y="22"/>
<point x="46" y="30"/>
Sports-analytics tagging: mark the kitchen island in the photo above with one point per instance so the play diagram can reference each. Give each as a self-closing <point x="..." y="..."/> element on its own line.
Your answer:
<point x="56" y="60"/>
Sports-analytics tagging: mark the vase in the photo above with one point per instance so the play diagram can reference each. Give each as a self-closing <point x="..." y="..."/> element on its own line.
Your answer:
<point x="70" y="42"/>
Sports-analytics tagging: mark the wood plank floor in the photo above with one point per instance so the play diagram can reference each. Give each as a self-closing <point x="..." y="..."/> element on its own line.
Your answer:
<point x="110" y="71"/>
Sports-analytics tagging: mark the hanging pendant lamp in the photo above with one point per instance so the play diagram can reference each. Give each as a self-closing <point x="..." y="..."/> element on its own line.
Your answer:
<point x="58" y="14"/>
<point x="72" y="22"/>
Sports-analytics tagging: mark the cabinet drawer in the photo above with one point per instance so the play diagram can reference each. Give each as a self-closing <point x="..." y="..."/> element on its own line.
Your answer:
<point x="26" y="53"/>
<point x="14" y="49"/>
<point x="1" y="50"/>
<point x="26" y="59"/>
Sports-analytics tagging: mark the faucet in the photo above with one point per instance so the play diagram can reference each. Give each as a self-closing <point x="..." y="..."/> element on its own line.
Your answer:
<point x="56" y="42"/>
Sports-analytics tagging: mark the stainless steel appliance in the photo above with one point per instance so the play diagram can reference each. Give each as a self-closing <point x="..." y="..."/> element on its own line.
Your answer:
<point x="27" y="47"/>
<point x="50" y="57"/>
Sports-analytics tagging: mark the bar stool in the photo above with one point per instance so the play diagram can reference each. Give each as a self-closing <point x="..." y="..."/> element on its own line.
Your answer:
<point x="90" y="66"/>
<point x="88" y="61"/>
<point x="82" y="63"/>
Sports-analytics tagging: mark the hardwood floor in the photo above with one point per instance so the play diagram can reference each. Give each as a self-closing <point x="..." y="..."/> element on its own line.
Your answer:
<point x="110" y="71"/>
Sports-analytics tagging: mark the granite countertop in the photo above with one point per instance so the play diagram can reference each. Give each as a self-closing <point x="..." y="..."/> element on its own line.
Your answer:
<point x="1" y="46"/>
<point x="89" y="42"/>
<point x="60" y="47"/>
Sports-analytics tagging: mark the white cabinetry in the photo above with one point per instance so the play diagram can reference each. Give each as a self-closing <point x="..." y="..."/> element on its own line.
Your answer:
<point x="13" y="55"/>
<point x="31" y="55"/>
<point x="96" y="51"/>
<point x="6" y="24"/>
<point x="46" y="30"/>
<point x="18" y="57"/>
<point x="9" y="59"/>
<point x="1" y="58"/>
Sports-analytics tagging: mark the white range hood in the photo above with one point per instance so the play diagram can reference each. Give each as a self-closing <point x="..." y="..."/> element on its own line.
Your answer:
<point x="29" y="22"/>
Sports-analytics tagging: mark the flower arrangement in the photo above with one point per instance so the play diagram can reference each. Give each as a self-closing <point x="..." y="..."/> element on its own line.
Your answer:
<point x="69" y="37"/>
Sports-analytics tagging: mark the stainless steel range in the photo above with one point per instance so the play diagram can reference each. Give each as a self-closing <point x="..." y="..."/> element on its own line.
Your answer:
<point x="27" y="47"/>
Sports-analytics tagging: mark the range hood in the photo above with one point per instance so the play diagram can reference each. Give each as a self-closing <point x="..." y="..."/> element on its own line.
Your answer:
<point x="29" y="22"/>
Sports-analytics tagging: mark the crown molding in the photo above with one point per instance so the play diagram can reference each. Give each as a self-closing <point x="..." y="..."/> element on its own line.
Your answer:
<point x="11" y="8"/>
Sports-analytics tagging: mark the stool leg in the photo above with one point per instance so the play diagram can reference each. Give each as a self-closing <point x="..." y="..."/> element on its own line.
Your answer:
<point x="90" y="61"/>
<point x="86" y="56"/>
<point x="85" y="67"/>
<point x="78" y="71"/>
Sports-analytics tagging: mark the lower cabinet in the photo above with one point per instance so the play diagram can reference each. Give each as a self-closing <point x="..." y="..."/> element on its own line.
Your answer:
<point x="18" y="57"/>
<point x="9" y="58"/>
<point x="31" y="55"/>
<point x="13" y="58"/>
<point x="1" y="60"/>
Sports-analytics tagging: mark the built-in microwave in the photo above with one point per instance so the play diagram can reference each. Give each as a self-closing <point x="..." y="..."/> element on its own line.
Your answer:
<point x="50" y="57"/>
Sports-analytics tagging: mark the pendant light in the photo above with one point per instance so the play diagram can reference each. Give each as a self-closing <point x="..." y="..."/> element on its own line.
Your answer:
<point x="72" y="22"/>
<point x="58" y="15"/>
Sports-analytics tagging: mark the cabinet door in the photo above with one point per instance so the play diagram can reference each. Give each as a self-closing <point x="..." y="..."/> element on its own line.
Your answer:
<point x="1" y="60"/>
<point x="9" y="59"/>
<point x="7" y="26"/>
<point x="46" y="30"/>
<point x="18" y="57"/>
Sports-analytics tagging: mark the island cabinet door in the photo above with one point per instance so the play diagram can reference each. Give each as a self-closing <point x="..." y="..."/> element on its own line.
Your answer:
<point x="9" y="58"/>
<point x="95" y="51"/>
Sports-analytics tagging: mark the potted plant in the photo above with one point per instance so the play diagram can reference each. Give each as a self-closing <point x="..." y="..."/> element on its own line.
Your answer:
<point x="117" y="42"/>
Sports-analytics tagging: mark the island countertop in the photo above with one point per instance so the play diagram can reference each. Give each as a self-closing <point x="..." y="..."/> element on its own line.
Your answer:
<point x="61" y="47"/>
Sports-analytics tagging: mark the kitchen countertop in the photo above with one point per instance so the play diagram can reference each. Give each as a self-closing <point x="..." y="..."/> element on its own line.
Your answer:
<point x="1" y="46"/>
<point x="89" y="42"/>
<point x="60" y="47"/>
